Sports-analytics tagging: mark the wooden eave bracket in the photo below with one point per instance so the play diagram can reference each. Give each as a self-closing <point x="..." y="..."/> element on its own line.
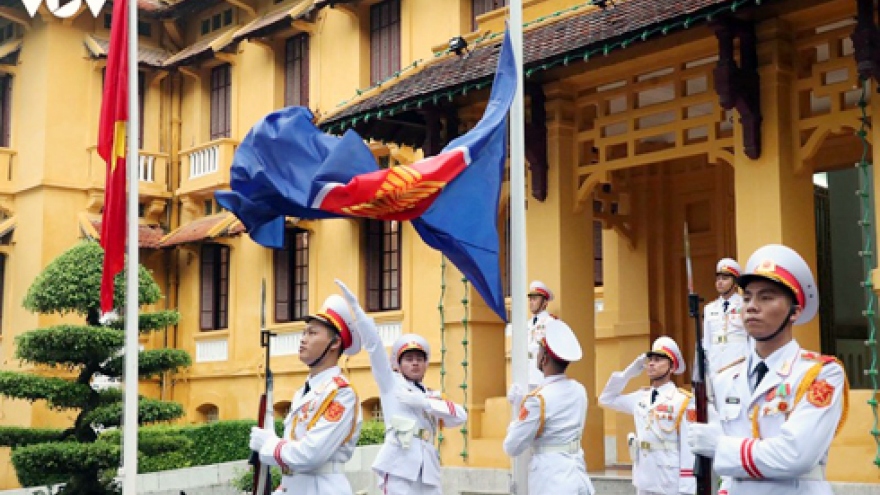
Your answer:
<point x="738" y="84"/>
<point x="173" y="31"/>
<point x="252" y="12"/>
<point x="16" y="16"/>
<point x="866" y="41"/>
<point x="536" y="141"/>
<point x="611" y="207"/>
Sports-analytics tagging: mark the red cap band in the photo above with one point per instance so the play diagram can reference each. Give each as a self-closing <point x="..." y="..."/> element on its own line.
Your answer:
<point x="339" y="323"/>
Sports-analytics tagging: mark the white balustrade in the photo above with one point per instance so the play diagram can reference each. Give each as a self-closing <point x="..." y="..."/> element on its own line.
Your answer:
<point x="214" y="350"/>
<point x="285" y="344"/>
<point x="147" y="169"/>
<point x="389" y="331"/>
<point x="204" y="161"/>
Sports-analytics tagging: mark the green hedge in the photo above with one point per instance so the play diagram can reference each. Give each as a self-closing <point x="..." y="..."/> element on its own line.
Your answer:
<point x="211" y="443"/>
<point x="48" y="463"/>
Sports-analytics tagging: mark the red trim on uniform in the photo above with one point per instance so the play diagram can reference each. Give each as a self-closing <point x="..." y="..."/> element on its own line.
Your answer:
<point x="542" y="292"/>
<point x="784" y="277"/>
<point x="671" y="355"/>
<point x="752" y="458"/>
<point x="451" y="407"/>
<point x="742" y="457"/>
<point x="277" y="454"/>
<point x="686" y="473"/>
<point x="722" y="492"/>
<point x="340" y="325"/>
<point x="733" y="271"/>
<point x="550" y="351"/>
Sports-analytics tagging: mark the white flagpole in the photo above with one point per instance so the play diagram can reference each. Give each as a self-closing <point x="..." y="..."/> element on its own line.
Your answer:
<point x="130" y="415"/>
<point x="518" y="265"/>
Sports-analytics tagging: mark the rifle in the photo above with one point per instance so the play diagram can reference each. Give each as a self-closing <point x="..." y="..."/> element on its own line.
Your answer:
<point x="702" y="464"/>
<point x="266" y="418"/>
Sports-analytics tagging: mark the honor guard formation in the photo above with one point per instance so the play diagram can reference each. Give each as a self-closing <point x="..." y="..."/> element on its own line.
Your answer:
<point x="773" y="407"/>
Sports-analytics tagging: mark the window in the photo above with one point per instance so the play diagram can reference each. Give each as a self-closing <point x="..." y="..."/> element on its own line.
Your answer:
<point x="598" y="273"/>
<point x="208" y="413"/>
<point x="383" y="265"/>
<point x="145" y="29"/>
<point x="291" y="265"/>
<point x="220" y="101"/>
<point x="384" y="40"/>
<point x="5" y="110"/>
<point x="214" y="298"/>
<point x="2" y="280"/>
<point x="480" y="7"/>
<point x="296" y="71"/>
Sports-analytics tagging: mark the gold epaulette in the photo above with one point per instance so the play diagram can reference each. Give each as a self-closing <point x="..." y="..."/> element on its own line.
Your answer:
<point x="730" y="365"/>
<point x="686" y="392"/>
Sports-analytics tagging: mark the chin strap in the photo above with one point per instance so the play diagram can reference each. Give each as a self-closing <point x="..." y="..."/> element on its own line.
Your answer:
<point x="781" y="326"/>
<point x="323" y="354"/>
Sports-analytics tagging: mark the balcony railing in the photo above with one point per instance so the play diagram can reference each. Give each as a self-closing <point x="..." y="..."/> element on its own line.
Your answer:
<point x="152" y="171"/>
<point x="206" y="167"/>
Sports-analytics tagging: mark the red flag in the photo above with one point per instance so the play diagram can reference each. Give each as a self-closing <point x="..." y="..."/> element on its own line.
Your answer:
<point x="111" y="147"/>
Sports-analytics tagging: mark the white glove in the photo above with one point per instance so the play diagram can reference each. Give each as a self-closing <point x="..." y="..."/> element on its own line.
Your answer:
<point x="515" y="394"/>
<point x="636" y="367"/>
<point x="363" y="324"/>
<point x="259" y="437"/>
<point x="703" y="438"/>
<point x="411" y="398"/>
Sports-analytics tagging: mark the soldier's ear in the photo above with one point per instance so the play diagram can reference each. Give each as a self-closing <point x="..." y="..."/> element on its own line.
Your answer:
<point x="794" y="313"/>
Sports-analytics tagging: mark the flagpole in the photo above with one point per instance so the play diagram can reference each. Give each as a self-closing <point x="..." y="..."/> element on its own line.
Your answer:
<point x="518" y="265"/>
<point x="130" y="416"/>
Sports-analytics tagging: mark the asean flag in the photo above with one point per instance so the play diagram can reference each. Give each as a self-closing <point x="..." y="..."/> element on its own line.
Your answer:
<point x="111" y="147"/>
<point x="286" y="166"/>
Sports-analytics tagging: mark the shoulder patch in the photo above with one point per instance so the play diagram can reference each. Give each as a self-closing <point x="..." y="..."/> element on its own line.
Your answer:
<point x="828" y="359"/>
<point x="686" y="392"/>
<point x="810" y="356"/>
<point x="820" y="393"/>
<point x="340" y="381"/>
<point x="730" y="365"/>
<point x="334" y="412"/>
<point x="523" y="413"/>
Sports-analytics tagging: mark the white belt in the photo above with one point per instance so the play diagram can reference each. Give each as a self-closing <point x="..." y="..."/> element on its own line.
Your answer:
<point x="326" y="468"/>
<point x="729" y="338"/>
<point x="572" y="447"/>
<point x="657" y="446"/>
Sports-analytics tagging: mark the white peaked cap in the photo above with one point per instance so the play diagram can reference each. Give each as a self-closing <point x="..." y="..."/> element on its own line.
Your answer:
<point x="560" y="342"/>
<point x="409" y="342"/>
<point x="538" y="288"/>
<point x="338" y="315"/>
<point x="786" y="267"/>
<point x="728" y="266"/>
<point x="666" y="347"/>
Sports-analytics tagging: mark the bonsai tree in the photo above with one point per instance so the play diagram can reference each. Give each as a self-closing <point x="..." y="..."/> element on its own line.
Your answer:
<point x="66" y="358"/>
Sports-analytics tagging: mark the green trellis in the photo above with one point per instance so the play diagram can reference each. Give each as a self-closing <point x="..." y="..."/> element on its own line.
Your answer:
<point x="867" y="254"/>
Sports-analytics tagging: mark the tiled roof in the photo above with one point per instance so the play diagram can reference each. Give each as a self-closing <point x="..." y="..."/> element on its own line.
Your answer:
<point x="201" y="229"/>
<point x="148" y="235"/>
<point x="544" y="46"/>
<point x="149" y="56"/>
<point x="202" y="47"/>
<point x="272" y="21"/>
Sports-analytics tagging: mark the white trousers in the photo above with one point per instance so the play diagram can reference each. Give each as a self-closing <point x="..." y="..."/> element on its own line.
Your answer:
<point x="393" y="485"/>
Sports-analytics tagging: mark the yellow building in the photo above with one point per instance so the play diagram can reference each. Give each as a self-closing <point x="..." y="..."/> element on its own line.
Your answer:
<point x="628" y="138"/>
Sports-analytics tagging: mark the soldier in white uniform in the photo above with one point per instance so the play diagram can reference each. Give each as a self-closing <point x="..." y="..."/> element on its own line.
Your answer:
<point x="724" y="337"/>
<point x="662" y="461"/>
<point x="408" y="463"/>
<point x="539" y="297"/>
<point x="551" y="420"/>
<point x="780" y="406"/>
<point x="324" y="423"/>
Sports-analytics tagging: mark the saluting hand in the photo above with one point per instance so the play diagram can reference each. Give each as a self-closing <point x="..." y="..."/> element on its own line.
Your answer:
<point x="636" y="367"/>
<point x="363" y="324"/>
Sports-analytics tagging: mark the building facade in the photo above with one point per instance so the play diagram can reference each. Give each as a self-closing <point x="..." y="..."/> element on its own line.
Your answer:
<point x="737" y="117"/>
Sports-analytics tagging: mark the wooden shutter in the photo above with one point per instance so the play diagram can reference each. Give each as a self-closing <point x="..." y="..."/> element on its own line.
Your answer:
<point x="5" y="110"/>
<point x="142" y="91"/>
<point x="206" y="299"/>
<point x="384" y="40"/>
<point x="301" y="275"/>
<point x="296" y="71"/>
<point x="373" y="244"/>
<point x="281" y="263"/>
<point x="222" y="288"/>
<point x="220" y="101"/>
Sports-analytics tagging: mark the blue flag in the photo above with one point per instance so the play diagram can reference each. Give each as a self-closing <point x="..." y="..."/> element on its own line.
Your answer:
<point x="287" y="167"/>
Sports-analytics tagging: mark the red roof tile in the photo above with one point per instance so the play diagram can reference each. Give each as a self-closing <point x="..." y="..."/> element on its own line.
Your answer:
<point x="148" y="235"/>
<point x="201" y="229"/>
